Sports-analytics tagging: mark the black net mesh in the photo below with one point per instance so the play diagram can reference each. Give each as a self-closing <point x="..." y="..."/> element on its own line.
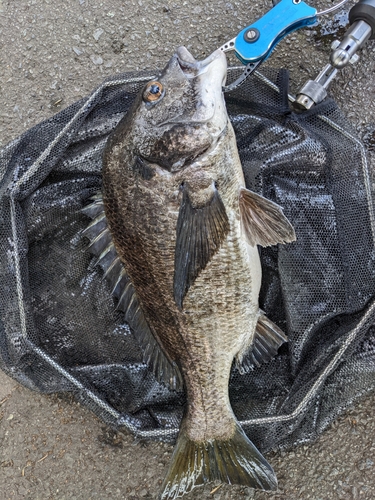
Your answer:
<point x="59" y="330"/>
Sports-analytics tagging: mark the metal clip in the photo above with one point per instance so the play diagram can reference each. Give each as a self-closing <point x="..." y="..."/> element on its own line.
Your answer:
<point x="254" y="44"/>
<point x="362" y="19"/>
<point x="315" y="91"/>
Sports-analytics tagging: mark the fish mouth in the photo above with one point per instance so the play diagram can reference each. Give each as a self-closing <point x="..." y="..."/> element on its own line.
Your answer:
<point x="209" y="77"/>
<point x="193" y="68"/>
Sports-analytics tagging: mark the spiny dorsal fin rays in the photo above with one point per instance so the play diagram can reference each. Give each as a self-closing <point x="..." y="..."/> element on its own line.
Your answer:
<point x="200" y="232"/>
<point x="101" y="245"/>
<point x="118" y="279"/>
<point x="115" y="264"/>
<point x="126" y="298"/>
<point x="263" y="221"/>
<point x="95" y="208"/>
<point x="97" y="226"/>
<point x="107" y="256"/>
<point x="98" y="243"/>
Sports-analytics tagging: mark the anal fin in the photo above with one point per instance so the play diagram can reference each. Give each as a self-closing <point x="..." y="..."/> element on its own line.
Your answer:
<point x="267" y="339"/>
<point x="101" y="245"/>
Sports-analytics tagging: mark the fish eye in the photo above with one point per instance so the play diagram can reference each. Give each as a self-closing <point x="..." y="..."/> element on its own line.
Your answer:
<point x="153" y="92"/>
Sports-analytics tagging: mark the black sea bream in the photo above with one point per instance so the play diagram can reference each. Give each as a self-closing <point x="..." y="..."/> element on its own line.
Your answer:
<point x="181" y="232"/>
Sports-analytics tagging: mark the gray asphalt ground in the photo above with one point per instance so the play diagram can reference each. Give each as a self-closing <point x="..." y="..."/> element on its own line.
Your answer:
<point x="54" y="52"/>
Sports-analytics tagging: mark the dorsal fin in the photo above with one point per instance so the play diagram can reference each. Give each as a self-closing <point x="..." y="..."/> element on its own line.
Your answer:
<point x="102" y="246"/>
<point x="263" y="221"/>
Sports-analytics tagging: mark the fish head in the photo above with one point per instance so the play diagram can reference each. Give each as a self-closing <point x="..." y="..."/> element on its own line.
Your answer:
<point x="181" y="113"/>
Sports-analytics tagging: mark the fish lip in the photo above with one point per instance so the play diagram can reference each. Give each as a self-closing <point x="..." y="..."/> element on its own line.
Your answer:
<point x="185" y="59"/>
<point x="190" y="66"/>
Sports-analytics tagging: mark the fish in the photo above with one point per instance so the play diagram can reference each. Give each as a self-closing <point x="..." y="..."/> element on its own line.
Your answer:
<point x="176" y="232"/>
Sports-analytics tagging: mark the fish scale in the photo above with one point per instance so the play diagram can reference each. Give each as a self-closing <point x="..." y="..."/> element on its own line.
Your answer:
<point x="233" y="326"/>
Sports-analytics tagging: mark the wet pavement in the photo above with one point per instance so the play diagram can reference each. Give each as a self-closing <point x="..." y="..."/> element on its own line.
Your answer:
<point x="51" y="55"/>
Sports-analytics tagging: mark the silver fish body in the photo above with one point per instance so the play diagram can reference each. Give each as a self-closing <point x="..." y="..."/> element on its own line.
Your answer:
<point x="185" y="230"/>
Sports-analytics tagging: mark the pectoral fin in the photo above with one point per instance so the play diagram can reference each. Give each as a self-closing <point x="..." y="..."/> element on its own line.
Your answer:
<point x="263" y="221"/>
<point x="200" y="232"/>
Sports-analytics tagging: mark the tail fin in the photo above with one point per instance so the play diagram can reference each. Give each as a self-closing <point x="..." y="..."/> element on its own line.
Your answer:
<point x="235" y="461"/>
